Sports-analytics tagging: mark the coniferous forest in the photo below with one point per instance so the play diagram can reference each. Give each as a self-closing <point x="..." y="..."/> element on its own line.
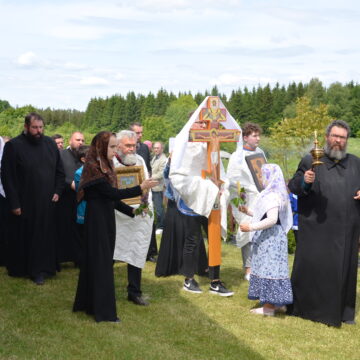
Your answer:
<point x="163" y="114"/>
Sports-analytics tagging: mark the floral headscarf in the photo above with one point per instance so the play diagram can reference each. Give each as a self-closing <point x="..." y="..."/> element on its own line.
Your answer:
<point x="274" y="195"/>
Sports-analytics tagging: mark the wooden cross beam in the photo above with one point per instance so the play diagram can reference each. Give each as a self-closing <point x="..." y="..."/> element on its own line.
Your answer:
<point x="213" y="135"/>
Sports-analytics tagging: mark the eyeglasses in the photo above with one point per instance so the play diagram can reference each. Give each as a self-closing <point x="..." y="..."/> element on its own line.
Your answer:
<point x="334" y="136"/>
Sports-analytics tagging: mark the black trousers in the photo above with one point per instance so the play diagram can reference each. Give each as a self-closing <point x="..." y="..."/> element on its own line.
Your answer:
<point x="134" y="281"/>
<point x="192" y="240"/>
<point x="153" y="250"/>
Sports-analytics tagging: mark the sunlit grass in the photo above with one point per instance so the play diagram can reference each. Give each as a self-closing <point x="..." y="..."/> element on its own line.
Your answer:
<point x="36" y="322"/>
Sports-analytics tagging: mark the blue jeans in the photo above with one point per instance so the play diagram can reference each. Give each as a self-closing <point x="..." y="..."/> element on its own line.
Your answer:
<point x="157" y="197"/>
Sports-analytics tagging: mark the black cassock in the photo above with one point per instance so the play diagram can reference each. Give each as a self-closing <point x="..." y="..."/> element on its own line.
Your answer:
<point x="96" y="290"/>
<point x="68" y="248"/>
<point x="170" y="259"/>
<point x="31" y="174"/>
<point x="325" y="266"/>
<point x="143" y="150"/>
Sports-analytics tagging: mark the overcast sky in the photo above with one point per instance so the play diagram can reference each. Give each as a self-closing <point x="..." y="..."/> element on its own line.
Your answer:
<point x="63" y="53"/>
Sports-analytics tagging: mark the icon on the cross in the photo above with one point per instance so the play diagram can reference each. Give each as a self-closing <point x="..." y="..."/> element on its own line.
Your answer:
<point x="213" y="112"/>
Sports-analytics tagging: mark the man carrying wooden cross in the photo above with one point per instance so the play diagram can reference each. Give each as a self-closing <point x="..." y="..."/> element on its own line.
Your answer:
<point x="195" y="176"/>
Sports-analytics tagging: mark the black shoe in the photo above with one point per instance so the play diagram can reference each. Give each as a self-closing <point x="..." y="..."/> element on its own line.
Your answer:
<point x="38" y="279"/>
<point x="138" y="300"/>
<point x="117" y="320"/>
<point x="151" y="259"/>
<point x="232" y="240"/>
<point x="191" y="285"/>
<point x="218" y="288"/>
<point x="350" y="322"/>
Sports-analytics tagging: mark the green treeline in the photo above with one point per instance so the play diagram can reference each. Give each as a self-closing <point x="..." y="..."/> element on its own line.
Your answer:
<point x="163" y="114"/>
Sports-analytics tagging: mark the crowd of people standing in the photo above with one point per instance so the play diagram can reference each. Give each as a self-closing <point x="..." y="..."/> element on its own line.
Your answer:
<point x="63" y="205"/>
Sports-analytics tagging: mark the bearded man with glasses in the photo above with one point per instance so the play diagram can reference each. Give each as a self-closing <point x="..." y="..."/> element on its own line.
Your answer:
<point x="326" y="258"/>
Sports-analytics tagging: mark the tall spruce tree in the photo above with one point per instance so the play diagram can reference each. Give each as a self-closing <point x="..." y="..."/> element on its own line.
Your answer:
<point x="132" y="109"/>
<point x="149" y="106"/>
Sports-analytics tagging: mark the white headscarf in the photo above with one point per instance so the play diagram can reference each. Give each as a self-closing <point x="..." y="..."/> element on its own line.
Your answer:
<point x="274" y="195"/>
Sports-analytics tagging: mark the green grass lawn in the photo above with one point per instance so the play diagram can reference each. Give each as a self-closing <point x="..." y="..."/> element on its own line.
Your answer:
<point x="36" y="322"/>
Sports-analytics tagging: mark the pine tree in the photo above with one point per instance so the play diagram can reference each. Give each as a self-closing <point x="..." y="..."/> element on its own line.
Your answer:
<point x="162" y="102"/>
<point x="215" y="91"/>
<point x="315" y="91"/>
<point x="132" y="110"/>
<point x="148" y="108"/>
<point x="199" y="98"/>
<point x="118" y="121"/>
<point x="107" y="115"/>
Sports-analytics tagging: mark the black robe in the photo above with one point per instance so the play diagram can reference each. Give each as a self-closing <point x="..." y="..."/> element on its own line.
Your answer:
<point x="325" y="266"/>
<point x="170" y="259"/>
<point x="68" y="248"/>
<point x="96" y="290"/>
<point x="143" y="150"/>
<point x="4" y="215"/>
<point x="31" y="174"/>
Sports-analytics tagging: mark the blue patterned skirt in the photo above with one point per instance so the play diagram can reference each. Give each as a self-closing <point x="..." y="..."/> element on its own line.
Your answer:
<point x="269" y="279"/>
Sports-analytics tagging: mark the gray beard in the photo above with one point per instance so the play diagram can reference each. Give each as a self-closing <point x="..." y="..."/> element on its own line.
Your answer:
<point x="335" y="154"/>
<point x="129" y="159"/>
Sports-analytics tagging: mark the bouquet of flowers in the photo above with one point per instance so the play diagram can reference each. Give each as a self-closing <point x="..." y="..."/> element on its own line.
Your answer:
<point x="144" y="209"/>
<point x="240" y="199"/>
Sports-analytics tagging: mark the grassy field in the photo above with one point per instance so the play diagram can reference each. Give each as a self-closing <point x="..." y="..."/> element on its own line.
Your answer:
<point x="36" y="322"/>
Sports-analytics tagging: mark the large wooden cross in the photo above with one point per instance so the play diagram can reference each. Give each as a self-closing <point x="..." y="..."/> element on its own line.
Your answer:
<point x="213" y="135"/>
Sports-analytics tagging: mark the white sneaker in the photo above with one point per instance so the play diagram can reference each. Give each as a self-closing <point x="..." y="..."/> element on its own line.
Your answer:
<point x="159" y="231"/>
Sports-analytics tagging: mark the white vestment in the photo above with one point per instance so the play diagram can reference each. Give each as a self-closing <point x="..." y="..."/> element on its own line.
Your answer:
<point x="187" y="162"/>
<point x="197" y="193"/>
<point x="238" y="170"/>
<point x="133" y="235"/>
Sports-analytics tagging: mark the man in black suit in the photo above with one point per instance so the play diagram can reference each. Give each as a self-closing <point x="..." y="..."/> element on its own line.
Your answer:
<point x="141" y="148"/>
<point x="67" y="238"/>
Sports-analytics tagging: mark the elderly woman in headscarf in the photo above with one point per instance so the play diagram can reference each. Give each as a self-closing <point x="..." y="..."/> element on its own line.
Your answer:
<point x="96" y="291"/>
<point x="271" y="220"/>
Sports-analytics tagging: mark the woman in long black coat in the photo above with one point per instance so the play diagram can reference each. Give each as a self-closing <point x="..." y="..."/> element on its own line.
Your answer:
<point x="96" y="291"/>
